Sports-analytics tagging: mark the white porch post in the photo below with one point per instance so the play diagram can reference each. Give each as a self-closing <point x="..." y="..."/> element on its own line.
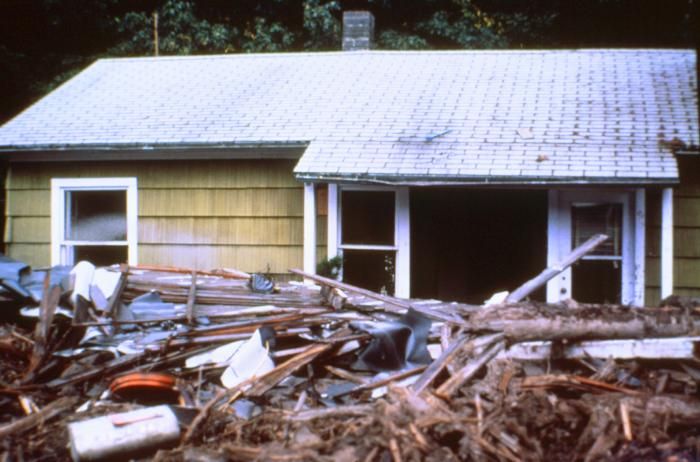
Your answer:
<point x="639" y="247"/>
<point x="310" y="228"/>
<point x="402" y="273"/>
<point x="332" y="244"/>
<point x="666" y="242"/>
<point x="553" y="231"/>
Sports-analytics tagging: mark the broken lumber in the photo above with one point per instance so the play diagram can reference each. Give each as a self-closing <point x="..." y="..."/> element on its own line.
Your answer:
<point x="191" y="297"/>
<point x="542" y="278"/>
<point x="391" y="304"/>
<point x="451" y="385"/>
<point x="50" y="411"/>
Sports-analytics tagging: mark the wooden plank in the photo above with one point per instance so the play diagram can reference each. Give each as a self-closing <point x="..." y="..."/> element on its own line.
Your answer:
<point x="281" y="202"/>
<point x="548" y="273"/>
<point x="161" y="174"/>
<point x="191" y="295"/>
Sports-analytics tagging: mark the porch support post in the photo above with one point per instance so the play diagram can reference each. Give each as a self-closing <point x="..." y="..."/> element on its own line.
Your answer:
<point x="666" y="242"/>
<point x="553" y="231"/>
<point x="402" y="273"/>
<point x="639" y="247"/>
<point x="309" y="228"/>
<point x="332" y="244"/>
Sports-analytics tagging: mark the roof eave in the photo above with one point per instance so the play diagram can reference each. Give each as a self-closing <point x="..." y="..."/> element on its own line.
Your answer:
<point x="487" y="181"/>
<point x="154" y="151"/>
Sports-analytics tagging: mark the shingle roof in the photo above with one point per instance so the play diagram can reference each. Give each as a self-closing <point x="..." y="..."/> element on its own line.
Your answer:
<point x="512" y="116"/>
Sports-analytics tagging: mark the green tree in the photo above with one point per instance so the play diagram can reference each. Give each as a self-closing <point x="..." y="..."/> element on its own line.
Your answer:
<point x="321" y="27"/>
<point x="180" y="31"/>
<point x="468" y="27"/>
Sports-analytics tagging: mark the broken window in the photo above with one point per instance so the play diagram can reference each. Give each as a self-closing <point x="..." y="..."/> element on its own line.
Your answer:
<point x="91" y="220"/>
<point x="368" y="239"/>
<point x="598" y="275"/>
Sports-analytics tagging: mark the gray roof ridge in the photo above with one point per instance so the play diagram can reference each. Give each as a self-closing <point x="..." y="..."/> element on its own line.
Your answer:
<point x="294" y="54"/>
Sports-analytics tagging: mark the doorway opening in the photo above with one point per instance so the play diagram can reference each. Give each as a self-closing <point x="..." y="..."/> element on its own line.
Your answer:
<point x="468" y="244"/>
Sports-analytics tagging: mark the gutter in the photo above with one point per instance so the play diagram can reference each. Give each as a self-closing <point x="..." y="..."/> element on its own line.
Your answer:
<point x="155" y="151"/>
<point x="486" y="181"/>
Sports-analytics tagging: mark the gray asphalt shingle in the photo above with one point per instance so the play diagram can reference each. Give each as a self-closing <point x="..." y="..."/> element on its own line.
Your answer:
<point x="576" y="115"/>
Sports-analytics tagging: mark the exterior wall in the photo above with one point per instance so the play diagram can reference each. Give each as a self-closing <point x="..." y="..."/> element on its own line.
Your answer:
<point x="244" y="214"/>
<point x="686" y="234"/>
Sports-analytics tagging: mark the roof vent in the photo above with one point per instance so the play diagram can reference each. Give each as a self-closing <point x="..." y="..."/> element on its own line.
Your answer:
<point x="358" y="30"/>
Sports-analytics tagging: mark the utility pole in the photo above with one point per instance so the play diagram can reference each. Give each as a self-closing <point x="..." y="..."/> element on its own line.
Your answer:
<point x="155" y="33"/>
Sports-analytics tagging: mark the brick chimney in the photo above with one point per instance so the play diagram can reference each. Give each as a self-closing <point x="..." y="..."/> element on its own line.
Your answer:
<point x="358" y="30"/>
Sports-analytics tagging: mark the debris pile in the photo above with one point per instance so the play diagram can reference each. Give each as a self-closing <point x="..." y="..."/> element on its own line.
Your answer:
<point x="177" y="364"/>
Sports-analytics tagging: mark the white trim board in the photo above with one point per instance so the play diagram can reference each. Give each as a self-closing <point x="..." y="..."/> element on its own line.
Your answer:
<point x="651" y="348"/>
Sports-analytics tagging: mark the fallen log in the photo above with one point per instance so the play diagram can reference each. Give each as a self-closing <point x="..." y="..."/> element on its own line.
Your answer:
<point x="527" y="322"/>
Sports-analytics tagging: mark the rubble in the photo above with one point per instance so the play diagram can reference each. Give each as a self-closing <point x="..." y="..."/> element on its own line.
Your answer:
<point x="238" y="367"/>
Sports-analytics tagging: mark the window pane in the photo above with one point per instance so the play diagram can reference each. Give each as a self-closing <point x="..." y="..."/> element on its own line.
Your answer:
<point x="370" y="269"/>
<point x="96" y="215"/>
<point x="368" y="217"/>
<point x="588" y="220"/>
<point x="100" y="255"/>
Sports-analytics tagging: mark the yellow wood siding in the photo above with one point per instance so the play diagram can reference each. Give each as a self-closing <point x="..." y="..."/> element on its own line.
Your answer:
<point x="686" y="234"/>
<point x="246" y="214"/>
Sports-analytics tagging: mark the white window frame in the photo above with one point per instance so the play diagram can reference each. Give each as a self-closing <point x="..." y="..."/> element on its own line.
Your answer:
<point x="59" y="187"/>
<point x="633" y="242"/>
<point x="402" y="232"/>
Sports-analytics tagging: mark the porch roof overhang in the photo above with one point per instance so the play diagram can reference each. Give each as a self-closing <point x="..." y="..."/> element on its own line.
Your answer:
<point x="461" y="160"/>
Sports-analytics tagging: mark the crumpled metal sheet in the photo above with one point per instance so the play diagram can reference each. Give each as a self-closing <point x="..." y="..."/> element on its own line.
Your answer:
<point x="395" y="345"/>
<point x="151" y="306"/>
<point x="260" y="284"/>
<point x="11" y="271"/>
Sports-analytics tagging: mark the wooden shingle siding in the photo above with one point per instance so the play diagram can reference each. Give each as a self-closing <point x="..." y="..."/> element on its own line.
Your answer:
<point x="245" y="214"/>
<point x="686" y="234"/>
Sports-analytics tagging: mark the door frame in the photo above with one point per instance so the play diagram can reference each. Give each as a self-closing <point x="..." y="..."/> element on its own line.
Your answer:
<point x="633" y="241"/>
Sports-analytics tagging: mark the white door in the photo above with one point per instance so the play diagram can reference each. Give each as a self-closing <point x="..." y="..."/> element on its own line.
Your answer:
<point x="611" y="273"/>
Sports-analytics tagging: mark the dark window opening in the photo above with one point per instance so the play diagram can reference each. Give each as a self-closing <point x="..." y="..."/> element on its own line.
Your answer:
<point x="368" y="217"/>
<point x="100" y="255"/>
<point x="370" y="269"/>
<point x="588" y="220"/>
<point x="597" y="281"/>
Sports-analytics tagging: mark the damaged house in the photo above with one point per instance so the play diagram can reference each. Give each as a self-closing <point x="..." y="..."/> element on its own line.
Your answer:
<point x="446" y="174"/>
